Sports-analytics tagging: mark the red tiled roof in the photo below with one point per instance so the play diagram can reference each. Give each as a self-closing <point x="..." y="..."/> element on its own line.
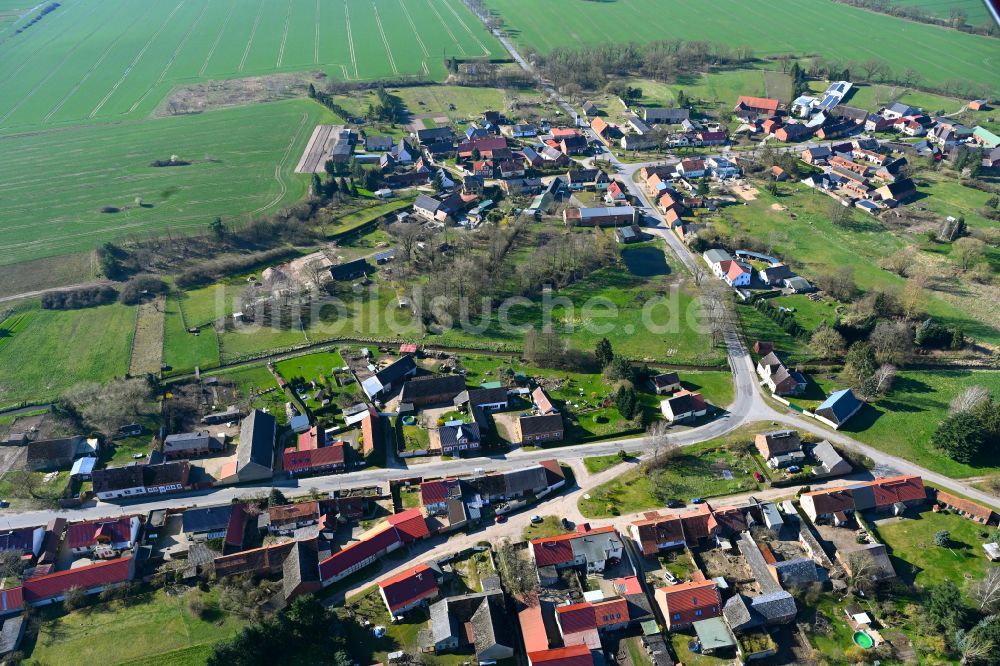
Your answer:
<point x="368" y="432"/>
<point x="344" y="559"/>
<point x="598" y="125"/>
<point x="731" y="518"/>
<point x="88" y="577"/>
<point x="832" y="500"/>
<point x="628" y="585"/>
<point x="557" y="549"/>
<point x="12" y="599"/>
<point x="408" y="348"/>
<point x="533" y="628"/>
<point x="408" y="587"/>
<point x="293" y="512"/>
<point x="296" y="461"/>
<point x="657" y="530"/>
<point x="968" y="507"/>
<point x="574" y="655"/>
<point x="410" y="524"/>
<point x="691" y="596"/>
<point x="711" y="136"/>
<point x="576" y="618"/>
<point x="693" y="165"/>
<point x="735" y="270"/>
<point x="102" y="530"/>
<point x="698" y="524"/>
<point x="313" y="438"/>
<point x="611" y="611"/>
<point x="237" y="526"/>
<point x="541" y="400"/>
<point x="762" y="103"/>
<point x="898" y="489"/>
<point x="435" y="492"/>
<point x="563" y="132"/>
<point x="484" y="145"/>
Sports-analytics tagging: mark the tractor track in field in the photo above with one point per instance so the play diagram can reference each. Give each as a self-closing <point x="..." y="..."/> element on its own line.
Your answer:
<point x="173" y="56"/>
<point x="218" y="38"/>
<point x="253" y="33"/>
<point x="447" y="29"/>
<point x="135" y="61"/>
<point x="284" y="35"/>
<point x="385" y="40"/>
<point x="277" y="169"/>
<point x="93" y="67"/>
<point x="350" y="38"/>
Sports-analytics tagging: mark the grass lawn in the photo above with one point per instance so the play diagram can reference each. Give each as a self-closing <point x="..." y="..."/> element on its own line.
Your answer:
<point x="363" y="216"/>
<point x="716" y="387"/>
<point x="51" y="350"/>
<point x="944" y="53"/>
<point x="401" y="635"/>
<point x="184" y="351"/>
<point x="415" y="438"/>
<point x="208" y="304"/>
<point x="550" y="526"/>
<point x="455" y="102"/>
<point x="678" y="563"/>
<point x="808" y="313"/>
<point x="310" y="366"/>
<point x="902" y="423"/>
<point x="642" y="309"/>
<point x="756" y="326"/>
<point x="255" y="379"/>
<point x="637" y="653"/>
<point x="680" y="642"/>
<point x="694" y="471"/>
<point x="872" y="97"/>
<point x="598" y="464"/>
<point x="410" y="497"/>
<point x="152" y="626"/>
<point x="14" y="489"/>
<point x="911" y="542"/>
<point x="811" y="244"/>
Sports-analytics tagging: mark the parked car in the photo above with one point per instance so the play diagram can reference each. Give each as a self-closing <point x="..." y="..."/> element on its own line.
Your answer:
<point x="4" y="504"/>
<point x="758" y="477"/>
<point x="567" y="524"/>
<point x="697" y="500"/>
<point x="674" y="504"/>
<point x="536" y="519"/>
<point x="501" y="519"/>
<point x="793" y="469"/>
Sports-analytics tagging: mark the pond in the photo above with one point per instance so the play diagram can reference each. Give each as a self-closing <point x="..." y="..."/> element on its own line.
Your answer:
<point x="645" y="261"/>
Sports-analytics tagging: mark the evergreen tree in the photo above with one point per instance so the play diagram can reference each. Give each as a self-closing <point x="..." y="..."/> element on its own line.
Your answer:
<point x="626" y="402"/>
<point x="961" y="436"/>
<point x="317" y="185"/>
<point x="218" y="229"/>
<point x="603" y="353"/>
<point x="312" y="91"/>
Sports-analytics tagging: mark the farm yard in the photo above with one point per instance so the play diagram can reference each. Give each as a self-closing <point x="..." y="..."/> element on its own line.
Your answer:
<point x="125" y="55"/>
<point x="769" y="28"/>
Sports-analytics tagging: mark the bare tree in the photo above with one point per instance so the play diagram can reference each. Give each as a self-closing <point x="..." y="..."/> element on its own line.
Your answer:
<point x="315" y="273"/>
<point x="968" y="399"/>
<point x="698" y="273"/>
<point x="987" y="591"/>
<point x="108" y="407"/>
<point x="517" y="574"/>
<point x="899" y="262"/>
<point x="660" y="443"/>
<point x="827" y="342"/>
<point x="884" y="378"/>
<point x="861" y="570"/>
<point x="892" y="341"/>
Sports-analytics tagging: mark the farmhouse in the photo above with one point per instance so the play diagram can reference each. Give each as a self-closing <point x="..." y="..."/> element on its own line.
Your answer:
<point x="838" y="408"/>
<point x="683" y="406"/>
<point x="665" y="116"/>
<point x="777" y="442"/>
<point x="458" y="438"/>
<point x="477" y="620"/>
<point x="190" y="444"/>
<point x="615" y="216"/>
<point x="409" y="589"/>
<point x="542" y="428"/>
<point x="686" y="603"/>
<point x="389" y="377"/>
<point x="590" y="547"/>
<point x="432" y="390"/>
<point x="893" y="494"/>
<point x="255" y="452"/>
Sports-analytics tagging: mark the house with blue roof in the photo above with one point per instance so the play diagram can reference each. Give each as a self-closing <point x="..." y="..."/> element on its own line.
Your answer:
<point x="837" y="409"/>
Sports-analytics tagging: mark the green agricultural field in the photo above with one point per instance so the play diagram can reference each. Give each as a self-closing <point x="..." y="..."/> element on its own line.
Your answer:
<point x="902" y="423"/>
<point x="974" y="10"/>
<point x="241" y="165"/>
<point x="154" y="628"/>
<point x="310" y="366"/>
<point x="815" y="26"/>
<point x="56" y="349"/>
<point x="89" y="61"/>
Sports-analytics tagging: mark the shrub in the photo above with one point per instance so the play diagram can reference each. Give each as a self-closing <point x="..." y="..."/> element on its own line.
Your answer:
<point x="139" y="286"/>
<point x="75" y="299"/>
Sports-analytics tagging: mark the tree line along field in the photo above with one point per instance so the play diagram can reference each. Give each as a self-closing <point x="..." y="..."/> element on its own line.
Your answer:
<point x="116" y="59"/>
<point x="242" y="161"/>
<point x="975" y="10"/>
<point x="771" y="27"/>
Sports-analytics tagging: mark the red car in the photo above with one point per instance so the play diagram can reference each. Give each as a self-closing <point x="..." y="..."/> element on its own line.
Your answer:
<point x="759" y="477"/>
<point x="501" y="519"/>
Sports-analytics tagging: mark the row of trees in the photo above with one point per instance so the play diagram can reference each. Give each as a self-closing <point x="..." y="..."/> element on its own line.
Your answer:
<point x="666" y="60"/>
